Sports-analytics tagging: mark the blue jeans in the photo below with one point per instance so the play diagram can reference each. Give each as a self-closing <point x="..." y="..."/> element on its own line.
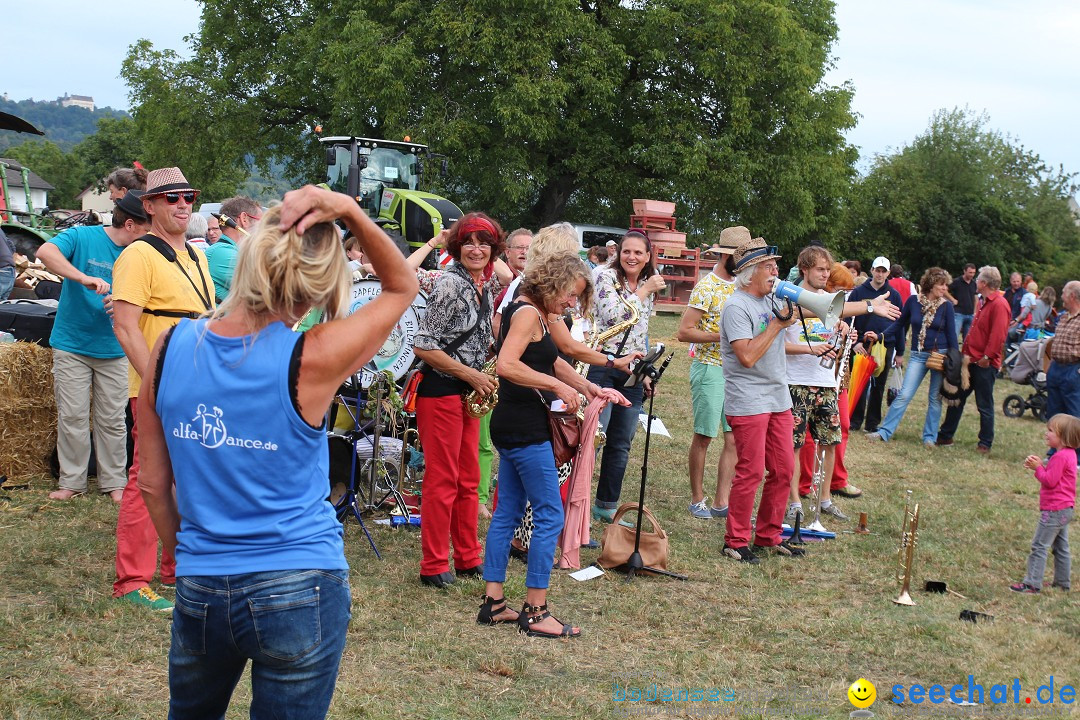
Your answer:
<point x="291" y="624"/>
<point x="620" y="423"/>
<point x="982" y="384"/>
<point x="525" y="473"/>
<point x="913" y="376"/>
<point x="1051" y="534"/>
<point x="963" y="322"/>
<point x="7" y="281"/>
<point x="1063" y="389"/>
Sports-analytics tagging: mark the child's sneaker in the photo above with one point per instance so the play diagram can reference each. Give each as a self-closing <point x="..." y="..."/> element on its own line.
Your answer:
<point x="1022" y="587"/>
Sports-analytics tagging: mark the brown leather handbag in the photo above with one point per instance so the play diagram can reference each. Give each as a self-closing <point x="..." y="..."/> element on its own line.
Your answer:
<point x="565" y="435"/>
<point x="936" y="361"/>
<point x="617" y="542"/>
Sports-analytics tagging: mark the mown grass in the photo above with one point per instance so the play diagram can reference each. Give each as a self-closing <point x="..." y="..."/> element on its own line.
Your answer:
<point x="67" y="650"/>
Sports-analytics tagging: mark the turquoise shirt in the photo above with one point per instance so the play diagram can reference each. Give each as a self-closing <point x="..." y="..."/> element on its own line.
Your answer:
<point x="221" y="259"/>
<point x="81" y="326"/>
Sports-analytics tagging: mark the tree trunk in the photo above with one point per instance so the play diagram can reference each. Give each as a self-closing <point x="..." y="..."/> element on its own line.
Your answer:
<point x="550" y="206"/>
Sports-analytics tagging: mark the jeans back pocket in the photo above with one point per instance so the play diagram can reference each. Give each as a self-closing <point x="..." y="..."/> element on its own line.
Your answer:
<point x="189" y="624"/>
<point x="287" y="625"/>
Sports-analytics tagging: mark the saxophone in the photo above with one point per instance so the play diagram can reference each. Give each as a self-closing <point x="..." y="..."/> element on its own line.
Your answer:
<point x="596" y="342"/>
<point x="478" y="406"/>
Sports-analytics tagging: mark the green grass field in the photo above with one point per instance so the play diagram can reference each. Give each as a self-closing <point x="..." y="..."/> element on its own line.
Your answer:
<point x="812" y="626"/>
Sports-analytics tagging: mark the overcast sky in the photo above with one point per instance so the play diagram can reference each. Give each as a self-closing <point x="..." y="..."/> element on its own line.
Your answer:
<point x="905" y="59"/>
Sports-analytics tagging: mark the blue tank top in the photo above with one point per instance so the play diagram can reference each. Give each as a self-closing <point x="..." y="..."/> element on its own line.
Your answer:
<point x="251" y="474"/>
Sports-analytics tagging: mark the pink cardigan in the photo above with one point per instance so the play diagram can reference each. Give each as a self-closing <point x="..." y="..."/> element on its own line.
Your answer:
<point x="1058" y="480"/>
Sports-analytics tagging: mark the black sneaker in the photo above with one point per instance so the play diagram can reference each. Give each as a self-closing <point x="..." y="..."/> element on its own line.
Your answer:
<point x="784" y="549"/>
<point x="742" y="554"/>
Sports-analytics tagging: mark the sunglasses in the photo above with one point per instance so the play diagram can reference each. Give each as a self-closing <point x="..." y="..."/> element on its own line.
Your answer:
<point x="174" y="197"/>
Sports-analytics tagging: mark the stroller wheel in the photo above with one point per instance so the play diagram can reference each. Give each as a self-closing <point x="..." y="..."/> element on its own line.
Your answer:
<point x="1013" y="406"/>
<point x="1037" y="403"/>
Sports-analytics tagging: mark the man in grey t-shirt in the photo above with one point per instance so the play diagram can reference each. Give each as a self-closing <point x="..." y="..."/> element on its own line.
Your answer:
<point x="757" y="404"/>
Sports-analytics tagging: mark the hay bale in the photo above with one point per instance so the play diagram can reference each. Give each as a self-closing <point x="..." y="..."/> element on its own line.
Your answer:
<point x="27" y="410"/>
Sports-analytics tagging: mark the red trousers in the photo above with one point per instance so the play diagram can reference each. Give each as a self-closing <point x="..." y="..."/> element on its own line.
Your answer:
<point x="763" y="442"/>
<point x="136" y="538"/>
<point x="449" y="503"/>
<point x="806" y="455"/>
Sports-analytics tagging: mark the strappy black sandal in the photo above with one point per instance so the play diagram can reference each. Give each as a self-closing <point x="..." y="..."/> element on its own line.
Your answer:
<point x="490" y="608"/>
<point x="526" y="620"/>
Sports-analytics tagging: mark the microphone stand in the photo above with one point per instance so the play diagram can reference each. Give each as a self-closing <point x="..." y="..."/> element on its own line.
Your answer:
<point x="634" y="563"/>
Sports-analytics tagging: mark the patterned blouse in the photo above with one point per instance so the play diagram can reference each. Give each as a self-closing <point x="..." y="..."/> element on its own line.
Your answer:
<point x="452" y="309"/>
<point x="610" y="311"/>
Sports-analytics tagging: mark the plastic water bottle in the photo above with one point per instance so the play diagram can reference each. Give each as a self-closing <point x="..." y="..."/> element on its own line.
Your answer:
<point x="6" y="337"/>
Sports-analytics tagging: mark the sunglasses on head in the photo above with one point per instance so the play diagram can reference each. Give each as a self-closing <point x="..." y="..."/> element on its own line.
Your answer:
<point x="174" y="197"/>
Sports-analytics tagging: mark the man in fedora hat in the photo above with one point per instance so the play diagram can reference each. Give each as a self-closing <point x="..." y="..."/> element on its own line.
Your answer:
<point x="757" y="404"/>
<point x="86" y="353"/>
<point x="155" y="284"/>
<point x="700" y="325"/>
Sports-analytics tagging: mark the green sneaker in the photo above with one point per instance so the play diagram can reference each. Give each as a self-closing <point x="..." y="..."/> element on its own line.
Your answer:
<point x="149" y="599"/>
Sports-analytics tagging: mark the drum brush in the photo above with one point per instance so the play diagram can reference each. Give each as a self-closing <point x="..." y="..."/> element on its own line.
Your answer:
<point x="227" y="221"/>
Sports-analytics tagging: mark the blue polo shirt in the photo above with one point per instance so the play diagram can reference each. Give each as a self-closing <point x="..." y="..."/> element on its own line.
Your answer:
<point x="81" y="325"/>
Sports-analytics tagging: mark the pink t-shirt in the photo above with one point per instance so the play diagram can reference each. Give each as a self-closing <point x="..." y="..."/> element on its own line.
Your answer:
<point x="1058" y="480"/>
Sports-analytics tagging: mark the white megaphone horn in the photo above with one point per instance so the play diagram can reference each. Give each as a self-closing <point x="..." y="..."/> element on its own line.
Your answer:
<point x="828" y="307"/>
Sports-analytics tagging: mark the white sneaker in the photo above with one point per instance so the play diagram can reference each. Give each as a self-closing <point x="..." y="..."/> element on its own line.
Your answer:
<point x="835" y="512"/>
<point x="792" y="511"/>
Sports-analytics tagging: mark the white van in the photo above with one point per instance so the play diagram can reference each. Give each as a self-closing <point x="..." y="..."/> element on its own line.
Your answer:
<point x="592" y="235"/>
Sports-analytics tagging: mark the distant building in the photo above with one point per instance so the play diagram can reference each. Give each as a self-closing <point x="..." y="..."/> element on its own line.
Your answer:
<point x="39" y="189"/>
<point x="95" y="198"/>
<point x="83" y="101"/>
<point x="1075" y="208"/>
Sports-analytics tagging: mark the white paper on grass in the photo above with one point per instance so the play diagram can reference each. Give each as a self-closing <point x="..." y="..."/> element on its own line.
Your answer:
<point x="587" y="573"/>
<point x="658" y="426"/>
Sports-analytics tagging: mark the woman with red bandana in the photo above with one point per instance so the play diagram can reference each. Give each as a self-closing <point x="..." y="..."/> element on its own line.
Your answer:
<point x="453" y="342"/>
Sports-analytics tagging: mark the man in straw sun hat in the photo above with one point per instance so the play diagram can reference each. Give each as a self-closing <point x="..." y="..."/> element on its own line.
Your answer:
<point x="157" y="280"/>
<point x="700" y="325"/>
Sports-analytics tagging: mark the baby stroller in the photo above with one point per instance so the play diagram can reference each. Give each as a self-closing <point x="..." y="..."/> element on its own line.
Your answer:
<point x="1028" y="371"/>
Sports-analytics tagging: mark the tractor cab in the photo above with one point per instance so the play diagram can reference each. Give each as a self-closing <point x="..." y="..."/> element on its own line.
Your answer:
<point x="383" y="176"/>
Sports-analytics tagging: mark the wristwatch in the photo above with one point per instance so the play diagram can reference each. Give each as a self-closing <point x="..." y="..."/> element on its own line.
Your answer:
<point x="869" y="308"/>
<point x="610" y="361"/>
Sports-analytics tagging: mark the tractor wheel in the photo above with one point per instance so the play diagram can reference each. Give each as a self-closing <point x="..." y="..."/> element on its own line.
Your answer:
<point x="26" y="243"/>
<point x="1013" y="406"/>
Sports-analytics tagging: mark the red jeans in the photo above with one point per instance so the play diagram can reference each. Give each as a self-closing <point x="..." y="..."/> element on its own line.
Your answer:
<point x="136" y="538"/>
<point x="449" y="504"/>
<point x="806" y="455"/>
<point x="763" y="442"/>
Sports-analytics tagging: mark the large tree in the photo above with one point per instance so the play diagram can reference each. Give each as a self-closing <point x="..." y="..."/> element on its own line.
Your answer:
<point x="564" y="109"/>
<point x="962" y="192"/>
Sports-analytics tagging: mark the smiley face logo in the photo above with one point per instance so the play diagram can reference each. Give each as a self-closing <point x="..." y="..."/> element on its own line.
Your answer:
<point x="862" y="693"/>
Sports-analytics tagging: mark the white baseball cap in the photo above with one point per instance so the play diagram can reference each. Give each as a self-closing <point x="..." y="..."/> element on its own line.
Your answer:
<point x="882" y="262"/>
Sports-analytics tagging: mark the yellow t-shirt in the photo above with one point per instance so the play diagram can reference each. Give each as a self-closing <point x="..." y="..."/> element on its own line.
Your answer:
<point x="709" y="296"/>
<point x="143" y="277"/>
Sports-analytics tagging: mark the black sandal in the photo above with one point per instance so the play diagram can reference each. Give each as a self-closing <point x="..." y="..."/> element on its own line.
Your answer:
<point x="490" y="608"/>
<point x="526" y="619"/>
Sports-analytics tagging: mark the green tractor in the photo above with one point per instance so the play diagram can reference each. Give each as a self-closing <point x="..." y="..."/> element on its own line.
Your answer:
<point x="383" y="176"/>
<point x="26" y="228"/>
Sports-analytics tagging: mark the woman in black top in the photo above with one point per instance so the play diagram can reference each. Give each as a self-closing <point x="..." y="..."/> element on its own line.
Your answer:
<point x="532" y="376"/>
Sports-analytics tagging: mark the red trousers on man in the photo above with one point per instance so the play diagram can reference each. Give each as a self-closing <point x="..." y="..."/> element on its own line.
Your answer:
<point x="807" y="460"/>
<point x="136" y="538"/>
<point x="763" y="442"/>
<point x="449" y="503"/>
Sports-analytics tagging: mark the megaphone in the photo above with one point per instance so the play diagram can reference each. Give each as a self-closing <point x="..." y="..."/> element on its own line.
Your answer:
<point x="828" y="307"/>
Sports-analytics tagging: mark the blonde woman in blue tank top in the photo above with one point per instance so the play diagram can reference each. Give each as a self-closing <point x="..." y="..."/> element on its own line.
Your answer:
<point x="234" y="418"/>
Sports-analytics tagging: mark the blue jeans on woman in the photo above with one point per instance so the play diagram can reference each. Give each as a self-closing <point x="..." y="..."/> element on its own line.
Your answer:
<point x="525" y="474"/>
<point x="290" y="623"/>
<point x="620" y="423"/>
<point x="913" y="376"/>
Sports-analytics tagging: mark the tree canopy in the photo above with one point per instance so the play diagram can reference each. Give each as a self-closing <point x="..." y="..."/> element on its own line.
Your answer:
<point x="565" y="109"/>
<point x="959" y="193"/>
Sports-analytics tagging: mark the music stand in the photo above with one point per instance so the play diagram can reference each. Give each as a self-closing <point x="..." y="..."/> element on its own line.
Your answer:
<point x="646" y="368"/>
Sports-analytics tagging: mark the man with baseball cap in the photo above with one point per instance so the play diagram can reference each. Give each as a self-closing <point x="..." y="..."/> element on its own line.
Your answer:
<point x="86" y="354"/>
<point x="871" y="329"/>
<point x="157" y="280"/>
<point x="700" y="326"/>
